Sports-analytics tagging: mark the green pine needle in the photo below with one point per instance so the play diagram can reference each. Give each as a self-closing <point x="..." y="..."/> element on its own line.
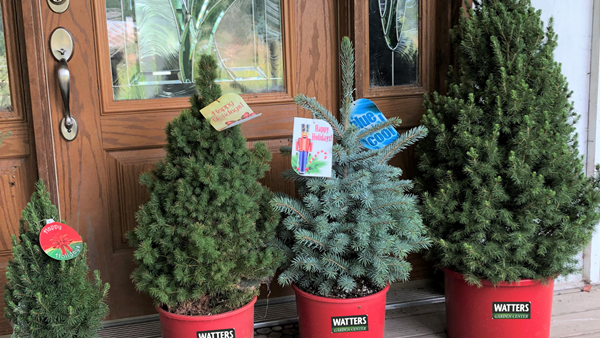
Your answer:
<point x="504" y="193"/>
<point x="44" y="297"/>
<point x="206" y="238"/>
<point x="357" y="225"/>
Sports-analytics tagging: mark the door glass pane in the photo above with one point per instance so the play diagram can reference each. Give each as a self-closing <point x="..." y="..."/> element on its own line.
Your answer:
<point x="393" y="42"/>
<point x="154" y="45"/>
<point x="4" y="81"/>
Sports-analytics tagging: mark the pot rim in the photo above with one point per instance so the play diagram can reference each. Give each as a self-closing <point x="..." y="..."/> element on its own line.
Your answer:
<point x="206" y="318"/>
<point x="485" y="282"/>
<point x="340" y="300"/>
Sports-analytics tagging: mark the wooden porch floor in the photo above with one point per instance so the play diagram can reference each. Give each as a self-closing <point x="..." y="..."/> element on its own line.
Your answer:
<point x="574" y="314"/>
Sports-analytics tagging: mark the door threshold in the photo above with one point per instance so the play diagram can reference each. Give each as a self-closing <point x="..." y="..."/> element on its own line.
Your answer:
<point x="279" y="311"/>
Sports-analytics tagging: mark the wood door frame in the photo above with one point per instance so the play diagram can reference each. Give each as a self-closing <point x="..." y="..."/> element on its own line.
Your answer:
<point x="18" y="167"/>
<point x="35" y="46"/>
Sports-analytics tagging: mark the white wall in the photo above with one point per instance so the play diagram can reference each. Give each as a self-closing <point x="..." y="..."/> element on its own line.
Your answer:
<point x="573" y="23"/>
<point x="592" y="253"/>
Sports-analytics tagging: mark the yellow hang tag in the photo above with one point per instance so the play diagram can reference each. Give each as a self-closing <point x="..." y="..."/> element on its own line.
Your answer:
<point x="228" y="111"/>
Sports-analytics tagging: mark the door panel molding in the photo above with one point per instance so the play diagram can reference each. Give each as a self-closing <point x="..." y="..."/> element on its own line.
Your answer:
<point x="19" y="143"/>
<point x="125" y="193"/>
<point x="17" y="178"/>
<point x="132" y="131"/>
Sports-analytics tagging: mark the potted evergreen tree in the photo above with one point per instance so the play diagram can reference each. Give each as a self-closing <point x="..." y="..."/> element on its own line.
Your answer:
<point x="348" y="236"/>
<point x="201" y="244"/>
<point x="48" y="298"/>
<point x="505" y="197"/>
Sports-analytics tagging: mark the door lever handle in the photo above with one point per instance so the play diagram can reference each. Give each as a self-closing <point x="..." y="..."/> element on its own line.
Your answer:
<point x="61" y="44"/>
<point x="64" y="83"/>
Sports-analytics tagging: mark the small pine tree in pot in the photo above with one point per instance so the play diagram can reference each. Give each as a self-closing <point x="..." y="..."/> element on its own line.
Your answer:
<point x="202" y="241"/>
<point x="349" y="235"/>
<point x="44" y="297"/>
<point x="505" y="197"/>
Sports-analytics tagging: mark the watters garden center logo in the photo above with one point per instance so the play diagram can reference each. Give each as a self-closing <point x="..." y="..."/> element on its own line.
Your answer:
<point x="349" y="324"/>
<point x="511" y="310"/>
<point x="228" y="333"/>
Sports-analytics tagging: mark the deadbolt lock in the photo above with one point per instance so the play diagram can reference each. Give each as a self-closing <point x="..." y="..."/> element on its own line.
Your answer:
<point x="58" y="6"/>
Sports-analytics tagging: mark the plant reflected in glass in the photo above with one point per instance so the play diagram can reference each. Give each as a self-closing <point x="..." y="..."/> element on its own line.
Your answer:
<point x="393" y="42"/>
<point x="5" y="102"/>
<point x="154" y="44"/>
<point x="3" y="136"/>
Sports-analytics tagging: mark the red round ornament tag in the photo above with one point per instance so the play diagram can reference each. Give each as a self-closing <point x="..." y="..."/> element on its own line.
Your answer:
<point x="60" y="241"/>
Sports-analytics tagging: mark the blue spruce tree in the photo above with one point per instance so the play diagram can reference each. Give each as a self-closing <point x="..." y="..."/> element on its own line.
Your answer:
<point x="201" y="244"/>
<point x="356" y="228"/>
<point x="504" y="193"/>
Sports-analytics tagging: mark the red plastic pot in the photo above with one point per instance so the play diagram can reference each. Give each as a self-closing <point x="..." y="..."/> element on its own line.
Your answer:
<point x="470" y="310"/>
<point x="240" y="322"/>
<point x="320" y="317"/>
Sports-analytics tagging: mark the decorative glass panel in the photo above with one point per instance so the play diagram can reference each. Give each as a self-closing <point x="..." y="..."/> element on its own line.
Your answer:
<point x="4" y="81"/>
<point x="393" y="42"/>
<point x="154" y="45"/>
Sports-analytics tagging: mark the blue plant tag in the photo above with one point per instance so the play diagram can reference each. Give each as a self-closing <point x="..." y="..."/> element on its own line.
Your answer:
<point x="364" y="115"/>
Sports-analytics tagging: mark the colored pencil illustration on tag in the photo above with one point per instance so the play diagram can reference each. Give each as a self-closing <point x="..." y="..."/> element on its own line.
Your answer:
<point x="311" y="150"/>
<point x="60" y="241"/>
<point x="228" y="111"/>
<point x="364" y="115"/>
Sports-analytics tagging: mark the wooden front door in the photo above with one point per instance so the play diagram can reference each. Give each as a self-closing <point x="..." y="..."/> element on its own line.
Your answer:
<point x="130" y="74"/>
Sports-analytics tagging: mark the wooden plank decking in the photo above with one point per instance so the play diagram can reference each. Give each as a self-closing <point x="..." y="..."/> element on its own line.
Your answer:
<point x="575" y="314"/>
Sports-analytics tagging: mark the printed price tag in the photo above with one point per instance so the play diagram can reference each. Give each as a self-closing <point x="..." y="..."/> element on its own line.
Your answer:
<point x="228" y="111"/>
<point x="60" y="241"/>
<point x="311" y="151"/>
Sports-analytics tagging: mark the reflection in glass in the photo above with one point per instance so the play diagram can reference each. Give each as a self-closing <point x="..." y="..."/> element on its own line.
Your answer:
<point x="154" y="45"/>
<point x="393" y="42"/>
<point x="4" y="82"/>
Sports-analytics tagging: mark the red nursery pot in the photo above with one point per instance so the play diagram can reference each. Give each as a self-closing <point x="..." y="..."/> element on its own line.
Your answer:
<point x="515" y="310"/>
<point x="320" y="317"/>
<point x="237" y="323"/>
